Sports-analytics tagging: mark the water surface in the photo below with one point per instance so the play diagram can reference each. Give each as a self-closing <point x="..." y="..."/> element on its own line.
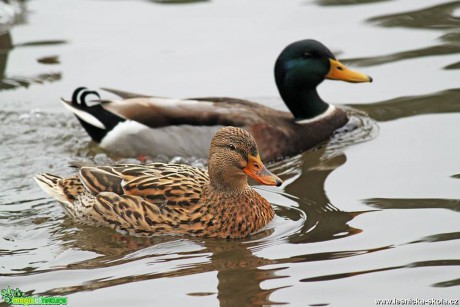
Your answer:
<point x="371" y="215"/>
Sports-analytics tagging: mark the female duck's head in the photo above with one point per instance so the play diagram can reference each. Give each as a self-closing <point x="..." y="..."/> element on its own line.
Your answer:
<point x="233" y="156"/>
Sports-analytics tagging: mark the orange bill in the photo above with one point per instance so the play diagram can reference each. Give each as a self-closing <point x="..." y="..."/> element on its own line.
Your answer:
<point x="257" y="170"/>
<point x="338" y="71"/>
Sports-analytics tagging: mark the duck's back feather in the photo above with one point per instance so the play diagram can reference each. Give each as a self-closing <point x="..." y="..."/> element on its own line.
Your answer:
<point x="171" y="184"/>
<point x="160" y="112"/>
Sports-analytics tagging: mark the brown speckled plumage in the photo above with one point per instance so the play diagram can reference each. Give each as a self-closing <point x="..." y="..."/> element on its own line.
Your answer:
<point x="161" y="198"/>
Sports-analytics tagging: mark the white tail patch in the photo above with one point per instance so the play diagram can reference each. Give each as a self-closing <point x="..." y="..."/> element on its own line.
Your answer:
<point x="132" y="138"/>
<point x="84" y="116"/>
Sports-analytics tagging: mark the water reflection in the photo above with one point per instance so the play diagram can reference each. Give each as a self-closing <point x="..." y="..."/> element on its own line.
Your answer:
<point x="324" y="220"/>
<point x="6" y="45"/>
<point x="240" y="272"/>
<point x="450" y="46"/>
<point x="434" y="17"/>
<point x="238" y="269"/>
<point x="177" y="1"/>
<point x="240" y="276"/>
<point x="50" y="60"/>
<point x="436" y="103"/>
<point x="421" y="264"/>
<point x="13" y="82"/>
<point x="414" y="203"/>
<point x="13" y="12"/>
<point x="443" y="49"/>
<point x="439" y="17"/>
<point x="346" y="2"/>
<point x="439" y="237"/>
<point x="411" y="204"/>
<point x="447" y="283"/>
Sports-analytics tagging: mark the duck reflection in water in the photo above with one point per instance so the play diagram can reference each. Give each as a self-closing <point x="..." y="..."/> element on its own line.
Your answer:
<point x="13" y="82"/>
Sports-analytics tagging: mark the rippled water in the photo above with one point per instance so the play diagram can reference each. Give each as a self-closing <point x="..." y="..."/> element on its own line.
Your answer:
<point x="371" y="215"/>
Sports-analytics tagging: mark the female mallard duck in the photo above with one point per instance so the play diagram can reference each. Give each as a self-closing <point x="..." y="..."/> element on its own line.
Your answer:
<point x="163" y="198"/>
<point x="151" y="125"/>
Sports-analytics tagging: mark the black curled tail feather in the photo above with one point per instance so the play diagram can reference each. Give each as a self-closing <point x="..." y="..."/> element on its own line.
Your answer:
<point x="107" y="119"/>
<point x="78" y="99"/>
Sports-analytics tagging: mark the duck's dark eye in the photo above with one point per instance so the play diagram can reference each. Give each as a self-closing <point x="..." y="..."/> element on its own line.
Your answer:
<point x="307" y="55"/>
<point x="231" y="146"/>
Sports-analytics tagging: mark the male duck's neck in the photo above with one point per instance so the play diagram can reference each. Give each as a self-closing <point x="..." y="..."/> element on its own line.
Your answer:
<point x="305" y="104"/>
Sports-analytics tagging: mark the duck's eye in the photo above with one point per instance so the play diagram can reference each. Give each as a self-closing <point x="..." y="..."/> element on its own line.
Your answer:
<point x="307" y="55"/>
<point x="231" y="146"/>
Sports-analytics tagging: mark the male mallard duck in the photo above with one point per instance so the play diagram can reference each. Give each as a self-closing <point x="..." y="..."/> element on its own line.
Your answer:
<point x="152" y="125"/>
<point x="161" y="198"/>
